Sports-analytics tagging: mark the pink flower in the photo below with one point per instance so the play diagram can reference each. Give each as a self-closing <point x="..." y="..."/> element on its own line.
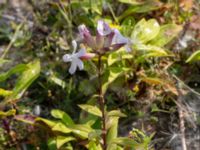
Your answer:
<point x="106" y="38"/>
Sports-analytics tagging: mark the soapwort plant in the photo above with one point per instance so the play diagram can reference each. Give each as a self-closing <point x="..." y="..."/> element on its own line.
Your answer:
<point x="99" y="127"/>
<point x="113" y="56"/>
<point x="106" y="40"/>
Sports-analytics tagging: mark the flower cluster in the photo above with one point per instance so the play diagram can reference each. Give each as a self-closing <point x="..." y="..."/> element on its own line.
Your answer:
<point x="106" y="39"/>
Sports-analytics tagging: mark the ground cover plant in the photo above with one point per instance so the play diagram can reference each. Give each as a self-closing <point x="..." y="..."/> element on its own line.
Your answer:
<point x="99" y="75"/>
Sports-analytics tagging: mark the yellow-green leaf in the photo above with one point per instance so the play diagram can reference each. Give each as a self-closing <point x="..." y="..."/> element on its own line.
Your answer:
<point x="63" y="116"/>
<point x="125" y="141"/>
<point x="116" y="113"/>
<point x="110" y="75"/>
<point x="81" y="130"/>
<point x="194" y="57"/>
<point x="27" y="77"/>
<point x="60" y="127"/>
<point x="57" y="81"/>
<point x="91" y="109"/>
<point x="145" y="31"/>
<point x="49" y="123"/>
<point x="5" y="93"/>
<point x="166" y="34"/>
<point x="7" y="113"/>
<point x="17" y="69"/>
<point x="133" y="2"/>
<point x="61" y="140"/>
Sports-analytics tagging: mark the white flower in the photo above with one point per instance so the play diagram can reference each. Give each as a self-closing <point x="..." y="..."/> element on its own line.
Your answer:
<point x="74" y="58"/>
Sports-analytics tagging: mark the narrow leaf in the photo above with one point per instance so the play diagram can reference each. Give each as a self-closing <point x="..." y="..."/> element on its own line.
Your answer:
<point x="50" y="123"/>
<point x="194" y="57"/>
<point x="61" y="140"/>
<point x="28" y="76"/>
<point x="5" y="93"/>
<point x="124" y="141"/>
<point x="60" y="127"/>
<point x="81" y="130"/>
<point x="63" y="116"/>
<point x="116" y="113"/>
<point x="17" y="69"/>
<point x="7" y="113"/>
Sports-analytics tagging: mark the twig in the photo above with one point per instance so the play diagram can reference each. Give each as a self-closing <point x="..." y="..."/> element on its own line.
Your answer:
<point x="192" y="90"/>
<point x="181" y="118"/>
<point x="182" y="128"/>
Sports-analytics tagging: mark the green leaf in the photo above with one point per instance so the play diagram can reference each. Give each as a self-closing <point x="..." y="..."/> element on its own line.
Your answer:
<point x="60" y="127"/>
<point x="91" y="109"/>
<point x="61" y="140"/>
<point x="145" y="31"/>
<point x="57" y="81"/>
<point x="5" y="93"/>
<point x="113" y="130"/>
<point x="17" y="69"/>
<point x="151" y="51"/>
<point x="118" y="56"/>
<point x="7" y="113"/>
<point x="93" y="146"/>
<point x="166" y="34"/>
<point x="194" y="57"/>
<point x="133" y="2"/>
<point x="116" y="113"/>
<point x="96" y="134"/>
<point x="25" y="80"/>
<point x="154" y="108"/>
<point x="144" y="140"/>
<point x="49" y="123"/>
<point x="147" y="6"/>
<point x="29" y="119"/>
<point x="63" y="116"/>
<point x="114" y="147"/>
<point x="81" y="130"/>
<point x="110" y="75"/>
<point x="127" y="25"/>
<point x="52" y="144"/>
<point x="124" y="141"/>
<point x="2" y="61"/>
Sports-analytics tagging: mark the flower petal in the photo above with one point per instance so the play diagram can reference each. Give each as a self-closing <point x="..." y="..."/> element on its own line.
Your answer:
<point x="83" y="30"/>
<point x="79" y="64"/>
<point x="74" y="44"/>
<point x="73" y="67"/>
<point x="86" y="36"/>
<point x="67" y="58"/>
<point x="103" y="28"/>
<point x="81" y="52"/>
<point x="87" y="56"/>
<point x="116" y="47"/>
<point x="108" y="39"/>
<point x="118" y="38"/>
